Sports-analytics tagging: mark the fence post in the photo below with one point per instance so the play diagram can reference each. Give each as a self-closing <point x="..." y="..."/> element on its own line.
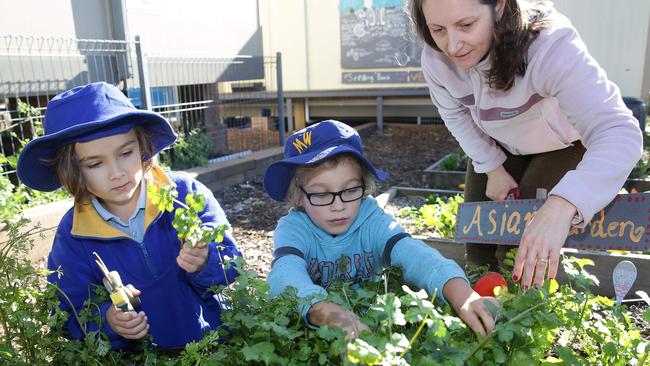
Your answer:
<point x="380" y="113"/>
<point x="143" y="71"/>
<point x="278" y="67"/>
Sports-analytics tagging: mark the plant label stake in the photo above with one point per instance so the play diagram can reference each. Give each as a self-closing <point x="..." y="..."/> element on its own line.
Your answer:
<point x="120" y="295"/>
<point x="624" y="276"/>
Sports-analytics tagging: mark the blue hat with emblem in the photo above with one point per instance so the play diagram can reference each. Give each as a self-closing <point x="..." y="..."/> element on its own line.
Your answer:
<point x="312" y="145"/>
<point x="83" y="114"/>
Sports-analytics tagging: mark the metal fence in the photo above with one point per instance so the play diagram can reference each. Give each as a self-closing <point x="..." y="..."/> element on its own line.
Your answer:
<point x="231" y="99"/>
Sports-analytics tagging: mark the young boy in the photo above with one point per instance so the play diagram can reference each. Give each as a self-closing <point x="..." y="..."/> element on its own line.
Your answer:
<point x="336" y="231"/>
<point x="100" y="148"/>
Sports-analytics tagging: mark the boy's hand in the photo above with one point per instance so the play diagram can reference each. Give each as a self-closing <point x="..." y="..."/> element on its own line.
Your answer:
<point x="130" y="325"/>
<point x="470" y="306"/>
<point x="193" y="259"/>
<point x="330" y="314"/>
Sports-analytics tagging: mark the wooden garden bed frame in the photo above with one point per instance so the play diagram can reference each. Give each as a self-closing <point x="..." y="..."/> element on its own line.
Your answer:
<point x="439" y="178"/>
<point x="604" y="262"/>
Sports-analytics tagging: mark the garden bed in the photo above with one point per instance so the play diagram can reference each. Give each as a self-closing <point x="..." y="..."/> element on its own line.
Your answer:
<point x="262" y="335"/>
<point x="446" y="173"/>
<point x="449" y="173"/>
<point x="398" y="198"/>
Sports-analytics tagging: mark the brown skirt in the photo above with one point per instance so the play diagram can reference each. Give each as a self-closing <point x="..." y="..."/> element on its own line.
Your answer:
<point x="534" y="171"/>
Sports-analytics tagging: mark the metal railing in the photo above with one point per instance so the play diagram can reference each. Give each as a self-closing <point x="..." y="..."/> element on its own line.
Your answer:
<point x="232" y="99"/>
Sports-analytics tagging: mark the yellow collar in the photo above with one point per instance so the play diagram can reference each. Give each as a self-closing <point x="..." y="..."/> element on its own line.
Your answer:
<point x="86" y="221"/>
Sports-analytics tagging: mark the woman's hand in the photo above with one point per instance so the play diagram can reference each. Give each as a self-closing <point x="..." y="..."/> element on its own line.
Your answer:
<point x="330" y="314"/>
<point x="130" y="325"/>
<point x="470" y="306"/>
<point x="499" y="183"/>
<point x="193" y="259"/>
<point x="542" y="241"/>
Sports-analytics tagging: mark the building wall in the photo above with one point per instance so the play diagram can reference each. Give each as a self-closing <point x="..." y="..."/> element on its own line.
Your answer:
<point x="55" y="18"/>
<point x="196" y="26"/>
<point x="620" y="44"/>
<point x="180" y="27"/>
<point x="616" y="33"/>
<point x="308" y="35"/>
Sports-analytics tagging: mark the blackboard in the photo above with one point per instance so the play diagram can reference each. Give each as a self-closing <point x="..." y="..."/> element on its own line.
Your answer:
<point x="377" y="34"/>
<point x="621" y="225"/>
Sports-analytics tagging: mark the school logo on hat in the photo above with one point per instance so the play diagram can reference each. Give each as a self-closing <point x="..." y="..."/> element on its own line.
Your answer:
<point x="83" y="114"/>
<point x="310" y="146"/>
<point x="302" y="143"/>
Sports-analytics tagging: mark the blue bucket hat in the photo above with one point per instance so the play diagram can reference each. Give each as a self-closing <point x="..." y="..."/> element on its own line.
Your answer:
<point x="311" y="145"/>
<point x="83" y="114"/>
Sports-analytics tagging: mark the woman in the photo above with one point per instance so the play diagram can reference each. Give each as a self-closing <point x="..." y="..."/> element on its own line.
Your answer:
<point x="515" y="85"/>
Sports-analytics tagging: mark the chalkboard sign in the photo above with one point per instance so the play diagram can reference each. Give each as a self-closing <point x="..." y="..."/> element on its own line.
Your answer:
<point x="621" y="225"/>
<point x="377" y="34"/>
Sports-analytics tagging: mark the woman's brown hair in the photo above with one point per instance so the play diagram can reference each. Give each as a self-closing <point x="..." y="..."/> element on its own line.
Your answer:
<point x="513" y="33"/>
<point x="67" y="167"/>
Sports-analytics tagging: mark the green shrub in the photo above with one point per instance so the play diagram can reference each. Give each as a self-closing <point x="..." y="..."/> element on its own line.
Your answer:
<point x="438" y="214"/>
<point x="189" y="151"/>
<point x="15" y="198"/>
<point x="455" y="161"/>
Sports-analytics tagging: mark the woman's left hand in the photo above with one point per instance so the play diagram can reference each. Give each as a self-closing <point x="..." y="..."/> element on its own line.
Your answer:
<point x="193" y="259"/>
<point x="542" y="241"/>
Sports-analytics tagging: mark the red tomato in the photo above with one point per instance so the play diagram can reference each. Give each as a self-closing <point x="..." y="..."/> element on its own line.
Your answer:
<point x="486" y="284"/>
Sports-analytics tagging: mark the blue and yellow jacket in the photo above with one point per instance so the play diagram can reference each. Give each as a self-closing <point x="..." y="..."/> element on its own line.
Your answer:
<point x="178" y="304"/>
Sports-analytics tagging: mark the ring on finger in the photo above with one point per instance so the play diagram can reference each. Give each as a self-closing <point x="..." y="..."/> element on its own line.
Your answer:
<point x="542" y="260"/>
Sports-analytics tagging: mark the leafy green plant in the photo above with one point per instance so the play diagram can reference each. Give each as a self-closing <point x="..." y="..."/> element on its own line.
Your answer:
<point x="16" y="198"/>
<point x="29" y="332"/>
<point x="438" y="214"/>
<point x="31" y="115"/>
<point x="554" y="324"/>
<point x="189" y="151"/>
<point x="455" y="161"/>
<point x="549" y="325"/>
<point x="186" y="218"/>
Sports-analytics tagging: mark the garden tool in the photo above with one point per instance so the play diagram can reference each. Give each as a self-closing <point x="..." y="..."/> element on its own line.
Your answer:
<point x="623" y="277"/>
<point x="121" y="296"/>
<point x="513" y="194"/>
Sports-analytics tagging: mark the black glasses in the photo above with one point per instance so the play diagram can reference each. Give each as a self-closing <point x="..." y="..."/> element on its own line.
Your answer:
<point x="327" y="198"/>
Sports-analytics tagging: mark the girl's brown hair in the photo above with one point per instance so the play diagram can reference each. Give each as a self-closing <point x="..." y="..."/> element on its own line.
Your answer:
<point x="66" y="165"/>
<point x="513" y="33"/>
<point x="303" y="173"/>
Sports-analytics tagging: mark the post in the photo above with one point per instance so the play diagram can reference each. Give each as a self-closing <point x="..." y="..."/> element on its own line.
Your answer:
<point x="143" y="71"/>
<point x="278" y="67"/>
<point x="380" y="114"/>
<point x="290" y="123"/>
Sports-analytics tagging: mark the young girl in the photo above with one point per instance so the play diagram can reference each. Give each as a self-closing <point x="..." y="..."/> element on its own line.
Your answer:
<point x="100" y="148"/>
<point x="336" y="231"/>
<point x="517" y="88"/>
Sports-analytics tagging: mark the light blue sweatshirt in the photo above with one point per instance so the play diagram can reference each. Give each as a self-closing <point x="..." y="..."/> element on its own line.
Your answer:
<point x="308" y="258"/>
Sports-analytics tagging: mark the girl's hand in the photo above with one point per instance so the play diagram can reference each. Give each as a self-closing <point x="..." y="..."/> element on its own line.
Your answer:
<point x="470" y="306"/>
<point x="330" y="314"/>
<point x="130" y="325"/>
<point x="193" y="259"/>
<point x="499" y="183"/>
<point x="542" y="241"/>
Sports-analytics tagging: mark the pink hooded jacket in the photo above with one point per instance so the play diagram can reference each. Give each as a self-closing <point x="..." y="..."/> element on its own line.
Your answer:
<point x="563" y="97"/>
